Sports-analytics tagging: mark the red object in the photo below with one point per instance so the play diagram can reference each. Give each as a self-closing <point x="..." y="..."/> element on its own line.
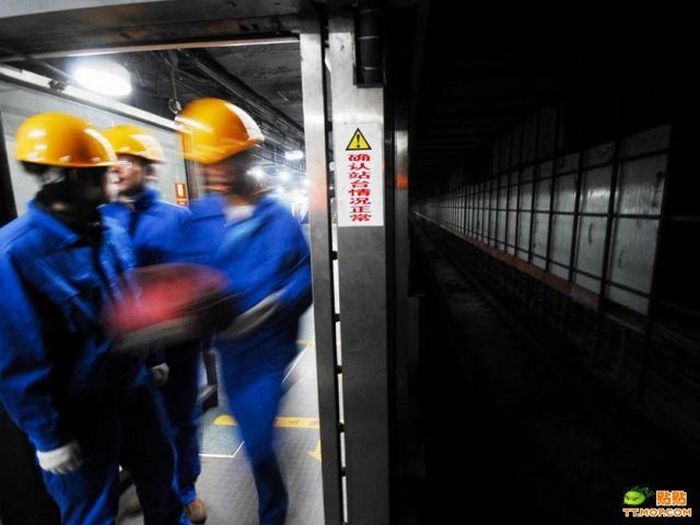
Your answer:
<point x="170" y="301"/>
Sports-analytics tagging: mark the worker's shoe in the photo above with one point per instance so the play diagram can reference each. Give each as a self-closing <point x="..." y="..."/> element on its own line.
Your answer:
<point x="130" y="504"/>
<point x="196" y="512"/>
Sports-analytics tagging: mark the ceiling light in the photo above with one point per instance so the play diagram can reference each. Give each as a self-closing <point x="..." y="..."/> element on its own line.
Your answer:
<point x="296" y="154"/>
<point x="283" y="176"/>
<point x="103" y="77"/>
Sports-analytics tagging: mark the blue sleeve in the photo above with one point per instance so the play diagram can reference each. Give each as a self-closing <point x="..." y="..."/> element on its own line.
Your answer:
<point x="26" y="386"/>
<point x="296" y="291"/>
<point x="198" y="241"/>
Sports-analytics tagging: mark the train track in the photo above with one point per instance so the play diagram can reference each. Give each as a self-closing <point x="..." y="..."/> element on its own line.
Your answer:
<point x="545" y="427"/>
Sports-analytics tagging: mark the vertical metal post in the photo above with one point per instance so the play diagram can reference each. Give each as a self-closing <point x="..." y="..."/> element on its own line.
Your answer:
<point x="608" y="232"/>
<point x="363" y="301"/>
<point x="552" y="189"/>
<point x="485" y="215"/>
<point x="406" y="355"/>
<point x="577" y="205"/>
<point x="498" y="196"/>
<point x="490" y="208"/>
<point x="568" y="324"/>
<point x="509" y="168"/>
<point x="467" y="210"/>
<point x="535" y="183"/>
<point x="517" y="197"/>
<point x="483" y="223"/>
<point x="314" y="96"/>
<point x="610" y="217"/>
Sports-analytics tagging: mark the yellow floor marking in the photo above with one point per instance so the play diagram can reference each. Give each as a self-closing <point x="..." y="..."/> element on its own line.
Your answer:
<point x="304" y="341"/>
<point x="297" y="422"/>
<point x="316" y="453"/>
<point x="225" y="420"/>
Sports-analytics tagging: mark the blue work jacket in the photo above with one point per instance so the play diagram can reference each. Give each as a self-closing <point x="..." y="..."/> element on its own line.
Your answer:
<point x="53" y="350"/>
<point x="261" y="254"/>
<point x="155" y="226"/>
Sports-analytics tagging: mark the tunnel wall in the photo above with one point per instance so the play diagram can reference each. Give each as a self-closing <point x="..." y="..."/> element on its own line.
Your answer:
<point x="590" y="218"/>
<point x="567" y="242"/>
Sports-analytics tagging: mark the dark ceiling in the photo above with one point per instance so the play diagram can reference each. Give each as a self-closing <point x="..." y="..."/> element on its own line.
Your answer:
<point x="143" y="23"/>
<point x="484" y="65"/>
<point x="487" y="65"/>
<point x="272" y="71"/>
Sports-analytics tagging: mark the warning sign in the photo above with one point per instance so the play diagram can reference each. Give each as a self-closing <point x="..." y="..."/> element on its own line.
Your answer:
<point x="358" y="142"/>
<point x="360" y="175"/>
<point x="181" y="194"/>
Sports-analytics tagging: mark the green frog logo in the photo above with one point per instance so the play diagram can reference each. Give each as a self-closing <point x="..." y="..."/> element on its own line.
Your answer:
<point x="637" y="495"/>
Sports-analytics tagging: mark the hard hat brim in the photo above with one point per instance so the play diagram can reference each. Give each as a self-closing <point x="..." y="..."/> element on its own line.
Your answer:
<point x="59" y="164"/>
<point x="214" y="155"/>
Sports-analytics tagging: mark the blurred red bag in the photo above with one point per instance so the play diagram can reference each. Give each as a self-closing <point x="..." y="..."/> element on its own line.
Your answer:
<point x="169" y="304"/>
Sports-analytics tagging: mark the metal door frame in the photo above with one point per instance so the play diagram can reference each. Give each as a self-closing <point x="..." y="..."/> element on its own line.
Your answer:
<point x="363" y="293"/>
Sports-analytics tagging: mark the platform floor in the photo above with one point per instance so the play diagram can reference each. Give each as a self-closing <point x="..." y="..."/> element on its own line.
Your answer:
<point x="226" y="483"/>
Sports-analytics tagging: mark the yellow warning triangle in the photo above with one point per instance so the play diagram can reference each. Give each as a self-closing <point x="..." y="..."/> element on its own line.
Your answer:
<point x="358" y="142"/>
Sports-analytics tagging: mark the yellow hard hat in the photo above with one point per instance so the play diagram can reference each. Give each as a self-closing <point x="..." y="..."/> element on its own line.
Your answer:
<point x="128" y="139"/>
<point x="213" y="129"/>
<point x="57" y="139"/>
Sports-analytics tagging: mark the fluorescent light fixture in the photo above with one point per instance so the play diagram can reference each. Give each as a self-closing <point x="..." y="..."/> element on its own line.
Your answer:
<point x="284" y="176"/>
<point x="296" y="154"/>
<point x="104" y="77"/>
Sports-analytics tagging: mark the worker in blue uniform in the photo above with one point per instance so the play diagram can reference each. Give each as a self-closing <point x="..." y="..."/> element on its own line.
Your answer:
<point x="155" y="228"/>
<point x="255" y="241"/>
<point x="61" y="265"/>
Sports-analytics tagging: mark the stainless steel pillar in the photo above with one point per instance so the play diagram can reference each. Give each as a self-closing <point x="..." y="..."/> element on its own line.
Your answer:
<point x="363" y="293"/>
<point x="314" y="95"/>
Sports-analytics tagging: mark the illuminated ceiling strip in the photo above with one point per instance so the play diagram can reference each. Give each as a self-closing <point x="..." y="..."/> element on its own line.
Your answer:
<point x="142" y="48"/>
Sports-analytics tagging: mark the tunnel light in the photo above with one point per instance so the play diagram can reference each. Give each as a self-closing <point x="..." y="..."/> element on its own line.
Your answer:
<point x="296" y="154"/>
<point x="103" y="77"/>
<point x="258" y="173"/>
<point x="284" y="176"/>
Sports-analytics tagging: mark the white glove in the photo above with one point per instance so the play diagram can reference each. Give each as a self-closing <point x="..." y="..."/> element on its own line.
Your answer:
<point x="253" y="318"/>
<point x="61" y="460"/>
<point x="160" y="373"/>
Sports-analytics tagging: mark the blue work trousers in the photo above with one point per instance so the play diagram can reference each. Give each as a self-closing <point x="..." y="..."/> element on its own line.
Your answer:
<point x="180" y="394"/>
<point x="133" y="432"/>
<point x="254" y="393"/>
